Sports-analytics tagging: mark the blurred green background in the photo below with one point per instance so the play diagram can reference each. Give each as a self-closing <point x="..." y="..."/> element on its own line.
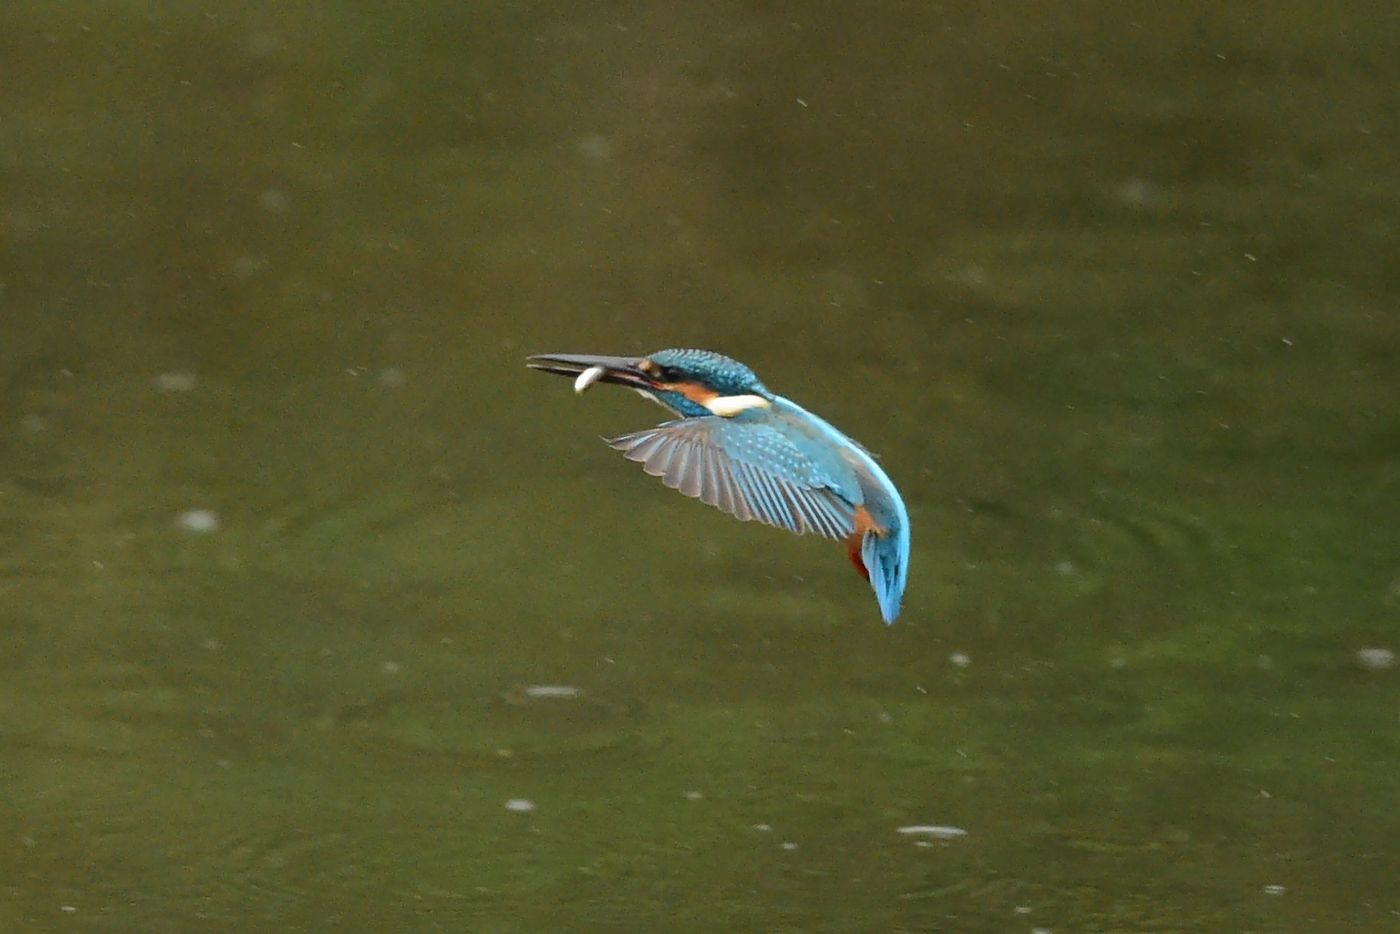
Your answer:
<point x="291" y="541"/>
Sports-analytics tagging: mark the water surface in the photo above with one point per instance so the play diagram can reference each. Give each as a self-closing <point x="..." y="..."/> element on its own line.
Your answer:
<point x="321" y="612"/>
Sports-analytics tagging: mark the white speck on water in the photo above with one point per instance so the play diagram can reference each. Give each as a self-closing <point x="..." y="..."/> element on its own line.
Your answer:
<point x="1375" y="659"/>
<point x="1275" y="890"/>
<point x="960" y="659"/>
<point x="970" y="275"/>
<point x="68" y="908"/>
<point x="246" y="267"/>
<point x="211" y="645"/>
<point x="1022" y="909"/>
<point x="263" y="44"/>
<point x="1040" y="931"/>
<point x="392" y="377"/>
<point x="199" y="521"/>
<point x="392" y="668"/>
<point x="938" y="831"/>
<point x="763" y="828"/>
<point x="1137" y="193"/>
<point x="1066" y="569"/>
<point x="177" y="381"/>
<point x="1265" y="662"/>
<point x="273" y="200"/>
<point x="594" y="146"/>
<point x="694" y="795"/>
<point x="789" y="845"/>
<point x="560" y="691"/>
<point x="520" y="805"/>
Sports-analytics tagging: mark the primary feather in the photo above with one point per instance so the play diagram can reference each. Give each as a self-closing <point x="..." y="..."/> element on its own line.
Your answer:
<point x="749" y="470"/>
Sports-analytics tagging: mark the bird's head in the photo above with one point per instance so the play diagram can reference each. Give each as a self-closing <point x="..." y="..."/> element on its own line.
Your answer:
<point x="690" y="383"/>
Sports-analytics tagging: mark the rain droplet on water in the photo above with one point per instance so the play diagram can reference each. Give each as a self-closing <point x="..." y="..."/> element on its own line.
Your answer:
<point x="937" y="831"/>
<point x="594" y="146"/>
<point x="177" y="381"/>
<point x="1375" y="659"/>
<point x="560" y="691"/>
<point x="201" y="521"/>
<point x="273" y="200"/>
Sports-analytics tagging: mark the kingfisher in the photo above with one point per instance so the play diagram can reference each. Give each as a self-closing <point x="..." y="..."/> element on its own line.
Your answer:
<point x="755" y="455"/>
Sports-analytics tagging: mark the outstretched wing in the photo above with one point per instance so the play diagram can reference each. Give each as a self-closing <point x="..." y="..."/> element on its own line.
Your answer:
<point x="751" y="470"/>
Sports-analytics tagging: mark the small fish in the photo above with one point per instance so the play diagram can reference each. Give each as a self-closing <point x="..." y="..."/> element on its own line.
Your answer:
<point x="587" y="378"/>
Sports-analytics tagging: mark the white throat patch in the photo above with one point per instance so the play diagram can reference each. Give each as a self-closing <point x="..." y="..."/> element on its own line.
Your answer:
<point x="730" y="406"/>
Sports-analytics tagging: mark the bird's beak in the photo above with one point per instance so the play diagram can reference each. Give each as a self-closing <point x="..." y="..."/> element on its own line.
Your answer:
<point x="589" y="369"/>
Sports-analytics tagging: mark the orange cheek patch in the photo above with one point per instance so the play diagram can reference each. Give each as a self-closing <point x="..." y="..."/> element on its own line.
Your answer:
<point x="692" y="391"/>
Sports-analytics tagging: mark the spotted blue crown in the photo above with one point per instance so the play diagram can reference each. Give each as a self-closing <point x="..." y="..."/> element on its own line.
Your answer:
<point x="724" y="375"/>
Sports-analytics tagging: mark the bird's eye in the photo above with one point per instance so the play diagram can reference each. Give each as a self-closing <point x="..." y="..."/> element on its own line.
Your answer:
<point x="667" y="374"/>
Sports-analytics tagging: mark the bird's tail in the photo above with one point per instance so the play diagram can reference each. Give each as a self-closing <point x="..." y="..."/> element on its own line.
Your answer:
<point x="886" y="560"/>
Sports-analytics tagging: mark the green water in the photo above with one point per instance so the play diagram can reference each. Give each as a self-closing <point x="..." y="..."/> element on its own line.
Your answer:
<point x="1113" y="292"/>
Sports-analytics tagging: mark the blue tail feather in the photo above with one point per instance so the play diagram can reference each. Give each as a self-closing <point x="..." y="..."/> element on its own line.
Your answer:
<point x="886" y="559"/>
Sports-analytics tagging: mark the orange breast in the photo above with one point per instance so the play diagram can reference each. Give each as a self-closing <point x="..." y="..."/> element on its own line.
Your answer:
<point x="864" y="522"/>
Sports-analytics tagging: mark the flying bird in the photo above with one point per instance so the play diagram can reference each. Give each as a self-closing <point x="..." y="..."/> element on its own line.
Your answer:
<point x="753" y="454"/>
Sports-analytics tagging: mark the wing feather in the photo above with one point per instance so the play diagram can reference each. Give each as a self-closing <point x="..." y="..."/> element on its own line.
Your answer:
<point x="747" y="469"/>
<point x="681" y="474"/>
<point x="739" y="506"/>
<point x="708" y="489"/>
<point x="789" y="516"/>
<point x="719" y="482"/>
<point x="646" y="448"/>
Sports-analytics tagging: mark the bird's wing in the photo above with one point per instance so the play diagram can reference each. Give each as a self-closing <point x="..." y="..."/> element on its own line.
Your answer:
<point x="751" y="470"/>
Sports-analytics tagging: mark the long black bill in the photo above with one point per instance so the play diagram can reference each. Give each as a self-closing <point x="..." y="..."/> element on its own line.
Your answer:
<point x="622" y="371"/>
